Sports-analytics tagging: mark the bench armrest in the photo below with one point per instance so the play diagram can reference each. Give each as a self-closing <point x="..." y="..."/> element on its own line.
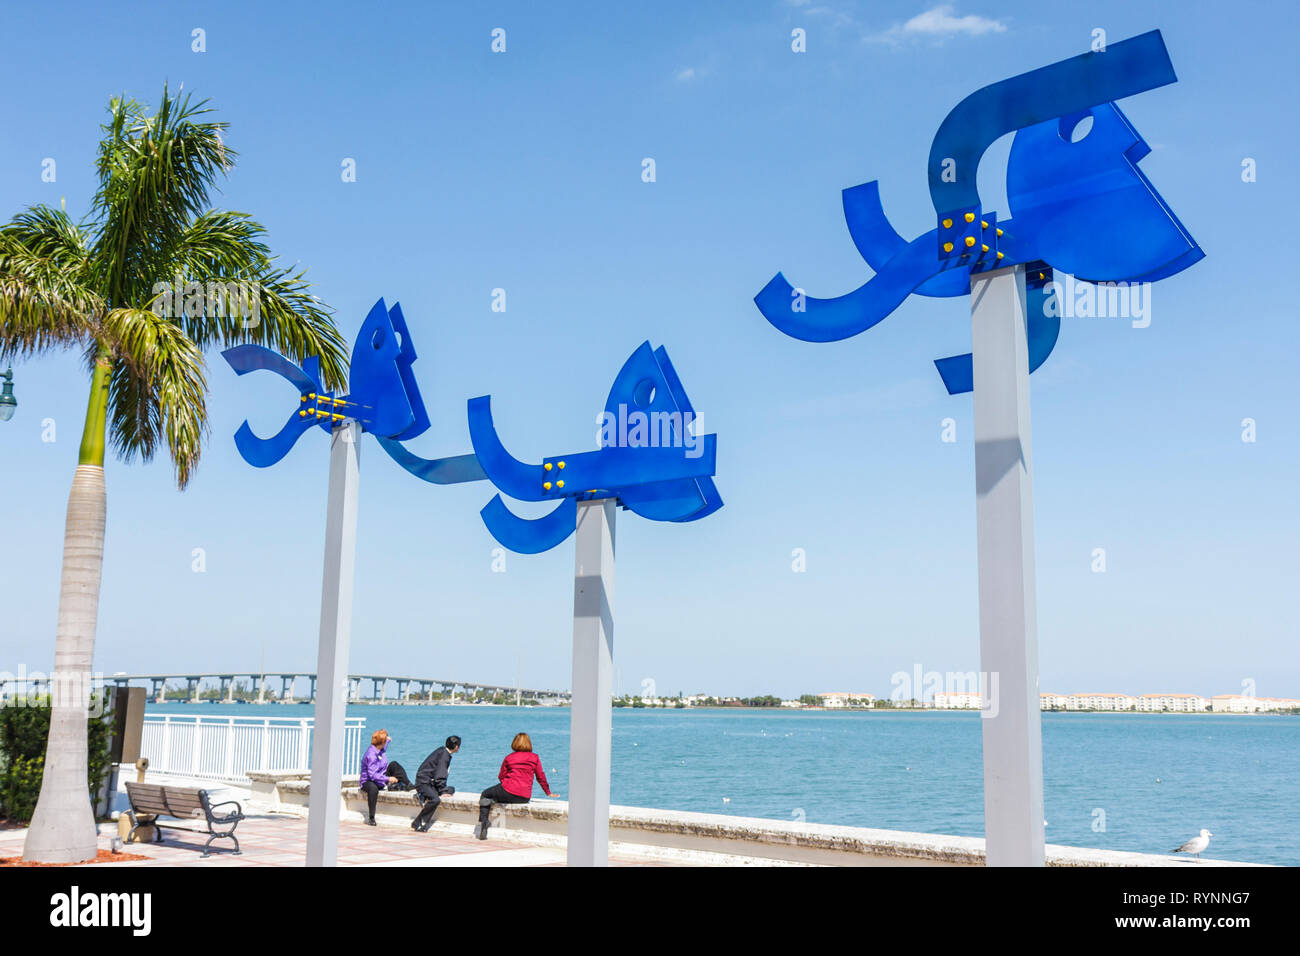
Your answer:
<point x="238" y="813"/>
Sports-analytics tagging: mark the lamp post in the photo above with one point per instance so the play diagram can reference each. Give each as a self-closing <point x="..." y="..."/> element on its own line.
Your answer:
<point x="7" y="401"/>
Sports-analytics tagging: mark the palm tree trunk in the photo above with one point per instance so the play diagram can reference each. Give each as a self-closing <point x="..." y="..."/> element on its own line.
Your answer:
<point x="63" y="826"/>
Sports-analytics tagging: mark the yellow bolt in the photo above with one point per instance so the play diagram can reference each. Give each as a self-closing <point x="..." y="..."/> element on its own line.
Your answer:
<point x="947" y="224"/>
<point x="311" y="394"/>
<point x="999" y="232"/>
<point x="546" y="485"/>
<point x="970" y="217"/>
<point x="947" y="247"/>
<point x="560" y="483"/>
<point x="547" y="466"/>
<point x="302" y="414"/>
<point x="983" y="224"/>
<point x="970" y="241"/>
<point x="999" y="255"/>
<point x="561" y="464"/>
<point x="1040" y="275"/>
<point x="984" y="248"/>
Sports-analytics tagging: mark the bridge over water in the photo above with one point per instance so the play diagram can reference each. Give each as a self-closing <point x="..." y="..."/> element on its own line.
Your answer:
<point x="378" y="686"/>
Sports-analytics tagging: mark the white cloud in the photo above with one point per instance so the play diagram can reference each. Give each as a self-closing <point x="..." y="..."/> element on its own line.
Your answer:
<point x="940" y="23"/>
<point x="685" y="74"/>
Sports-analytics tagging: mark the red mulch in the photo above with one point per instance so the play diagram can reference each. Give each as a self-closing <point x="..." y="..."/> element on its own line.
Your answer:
<point x="104" y="856"/>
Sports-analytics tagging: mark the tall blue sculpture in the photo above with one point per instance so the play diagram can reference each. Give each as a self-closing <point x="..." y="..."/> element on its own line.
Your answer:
<point x="650" y="460"/>
<point x="1079" y="204"/>
<point x="1081" y="207"/>
<point x="384" y="400"/>
<point x="383" y="396"/>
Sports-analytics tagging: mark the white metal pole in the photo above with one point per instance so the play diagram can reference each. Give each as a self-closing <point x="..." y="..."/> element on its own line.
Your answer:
<point x="335" y="638"/>
<point x="593" y="672"/>
<point x="1004" y="506"/>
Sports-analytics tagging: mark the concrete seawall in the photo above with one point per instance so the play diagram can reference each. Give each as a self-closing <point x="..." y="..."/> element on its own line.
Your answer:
<point x="706" y="837"/>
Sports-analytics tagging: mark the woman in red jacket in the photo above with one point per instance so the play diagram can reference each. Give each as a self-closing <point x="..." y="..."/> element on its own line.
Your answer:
<point x="516" y="776"/>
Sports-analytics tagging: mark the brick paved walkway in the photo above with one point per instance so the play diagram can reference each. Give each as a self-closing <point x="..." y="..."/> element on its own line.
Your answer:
<point x="282" y="841"/>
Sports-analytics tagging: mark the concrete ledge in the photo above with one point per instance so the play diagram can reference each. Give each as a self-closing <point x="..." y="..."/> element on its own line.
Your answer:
<point x="706" y="835"/>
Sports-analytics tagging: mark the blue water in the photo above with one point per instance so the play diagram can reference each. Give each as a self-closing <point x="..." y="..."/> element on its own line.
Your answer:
<point x="1143" y="782"/>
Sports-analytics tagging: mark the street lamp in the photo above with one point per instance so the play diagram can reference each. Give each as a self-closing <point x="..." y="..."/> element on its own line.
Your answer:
<point x="7" y="401"/>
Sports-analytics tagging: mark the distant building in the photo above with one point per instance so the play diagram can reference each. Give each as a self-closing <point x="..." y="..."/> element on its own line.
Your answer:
<point x="1099" y="702"/>
<point x="1176" y="703"/>
<point x="838" y="699"/>
<point x="1246" y="704"/>
<point x="958" y="701"/>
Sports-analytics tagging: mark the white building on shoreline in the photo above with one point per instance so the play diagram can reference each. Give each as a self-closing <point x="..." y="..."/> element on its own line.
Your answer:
<point x="1245" y="704"/>
<point x="958" y="700"/>
<point x="836" y="699"/>
<point x="1166" y="703"/>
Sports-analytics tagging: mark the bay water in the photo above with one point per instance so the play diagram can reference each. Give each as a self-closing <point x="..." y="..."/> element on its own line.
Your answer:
<point x="1142" y="782"/>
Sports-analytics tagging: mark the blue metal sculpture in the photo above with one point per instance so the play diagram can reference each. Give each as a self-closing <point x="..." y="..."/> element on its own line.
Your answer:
<point x="1082" y="207"/>
<point x="649" y="459"/>
<point x="383" y="397"/>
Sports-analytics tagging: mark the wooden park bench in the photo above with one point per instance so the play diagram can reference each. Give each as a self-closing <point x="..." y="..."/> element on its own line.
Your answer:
<point x="190" y="807"/>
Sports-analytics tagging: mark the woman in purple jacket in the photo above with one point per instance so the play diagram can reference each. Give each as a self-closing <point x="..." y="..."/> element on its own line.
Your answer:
<point x="374" y="770"/>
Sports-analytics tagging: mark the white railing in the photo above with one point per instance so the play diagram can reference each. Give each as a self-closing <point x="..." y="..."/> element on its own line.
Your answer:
<point x="227" y="748"/>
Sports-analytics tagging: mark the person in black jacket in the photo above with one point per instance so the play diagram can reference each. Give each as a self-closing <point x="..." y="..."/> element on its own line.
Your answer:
<point x="431" y="783"/>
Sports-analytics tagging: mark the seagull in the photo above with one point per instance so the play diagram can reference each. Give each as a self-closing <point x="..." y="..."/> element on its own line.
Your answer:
<point x="1196" y="845"/>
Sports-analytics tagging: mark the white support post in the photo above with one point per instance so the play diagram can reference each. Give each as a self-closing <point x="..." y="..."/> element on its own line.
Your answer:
<point x="165" y="754"/>
<point x="195" y="753"/>
<point x="264" y="752"/>
<point x="1004" y="506"/>
<point x="593" y="672"/>
<point x="230" y="749"/>
<point x="335" y="640"/>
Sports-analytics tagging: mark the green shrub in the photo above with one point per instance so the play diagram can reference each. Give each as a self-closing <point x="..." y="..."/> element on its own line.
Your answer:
<point x="24" y="731"/>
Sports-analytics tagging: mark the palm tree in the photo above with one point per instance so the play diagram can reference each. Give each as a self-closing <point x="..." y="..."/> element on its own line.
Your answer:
<point x="105" y="286"/>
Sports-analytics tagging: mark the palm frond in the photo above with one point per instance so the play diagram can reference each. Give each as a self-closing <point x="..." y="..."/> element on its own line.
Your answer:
<point x="47" y="299"/>
<point x="245" y="297"/>
<point x="158" y="389"/>
<point x="155" y="174"/>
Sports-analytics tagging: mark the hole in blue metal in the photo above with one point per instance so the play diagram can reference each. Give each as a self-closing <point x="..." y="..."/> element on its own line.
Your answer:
<point x="644" y="393"/>
<point x="377" y="340"/>
<point x="1075" y="127"/>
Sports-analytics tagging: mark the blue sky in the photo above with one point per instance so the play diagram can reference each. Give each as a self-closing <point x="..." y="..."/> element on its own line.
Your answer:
<point x="522" y="170"/>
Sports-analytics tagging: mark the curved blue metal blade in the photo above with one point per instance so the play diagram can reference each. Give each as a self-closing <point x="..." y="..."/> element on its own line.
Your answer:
<point x="648" y="383"/>
<point x="405" y="359"/>
<point x="1125" y="68"/>
<point x="377" y="392"/>
<point x="439" y="471"/>
<point x="253" y="358"/>
<point x="1086" y="208"/>
<point x="509" y="474"/>
<point x="687" y="500"/>
<point x="829" y="320"/>
<point x="712" y="500"/>
<point x="525" y="535"/>
<point x="869" y="227"/>
<point x="264" y="452"/>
